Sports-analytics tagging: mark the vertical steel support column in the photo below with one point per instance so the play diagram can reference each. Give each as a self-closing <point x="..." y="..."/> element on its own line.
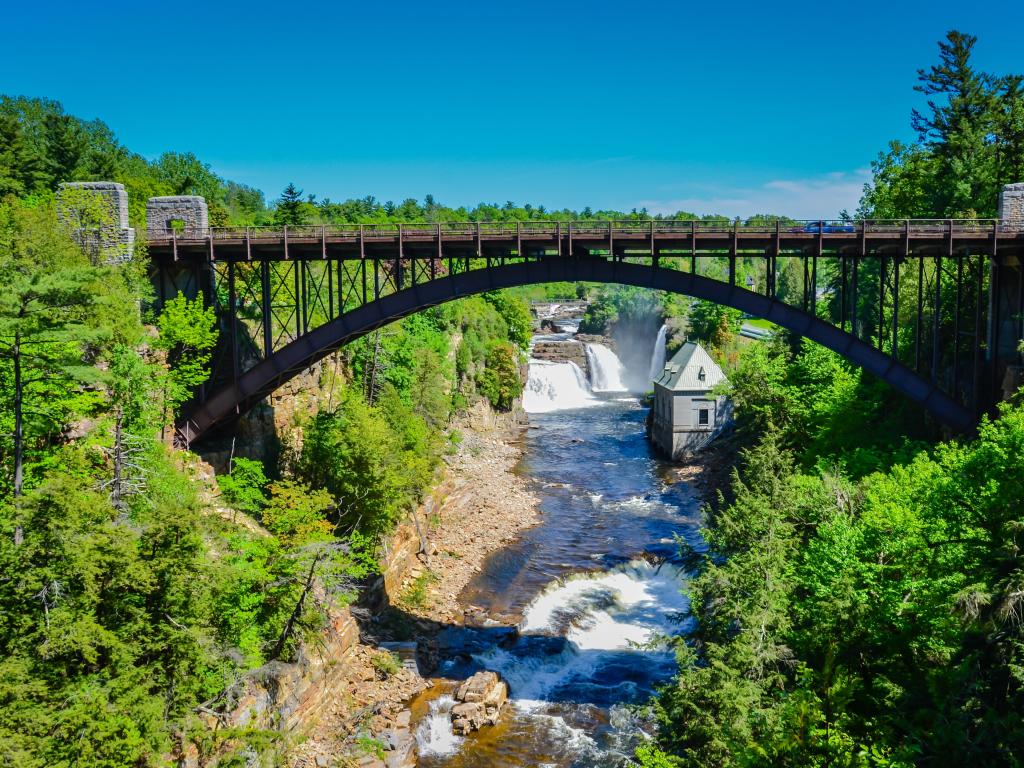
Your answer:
<point x="978" y="360"/>
<point x="440" y="255"/>
<point x="558" y="236"/>
<point x="1020" y="306"/>
<point x="995" y="289"/>
<point x="842" y="292"/>
<point x="881" y="303"/>
<point x="896" y="307"/>
<point x="654" y="252"/>
<point x="733" y="247"/>
<point x="330" y="288"/>
<point x="957" y="308"/>
<point x="936" y="320"/>
<point x="398" y="262"/>
<point x="693" y="247"/>
<point x="918" y="322"/>
<point x="776" y="252"/>
<point x="265" y="309"/>
<point x="803" y="266"/>
<point x="300" y="303"/>
<point x="814" y="285"/>
<point x="854" y="310"/>
<point x="611" y="241"/>
<point x="362" y="267"/>
<point x="343" y="276"/>
<point x="233" y="312"/>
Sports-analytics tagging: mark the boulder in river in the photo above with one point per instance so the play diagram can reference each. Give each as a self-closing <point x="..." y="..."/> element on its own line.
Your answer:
<point x="481" y="699"/>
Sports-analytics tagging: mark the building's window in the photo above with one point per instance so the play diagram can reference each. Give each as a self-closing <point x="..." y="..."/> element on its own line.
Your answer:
<point x="702" y="417"/>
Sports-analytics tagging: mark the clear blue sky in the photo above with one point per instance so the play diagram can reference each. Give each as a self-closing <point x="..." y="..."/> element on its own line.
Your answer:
<point x="734" y="108"/>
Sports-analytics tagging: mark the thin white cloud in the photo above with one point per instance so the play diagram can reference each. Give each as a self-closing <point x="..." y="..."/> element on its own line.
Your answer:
<point x="818" y="197"/>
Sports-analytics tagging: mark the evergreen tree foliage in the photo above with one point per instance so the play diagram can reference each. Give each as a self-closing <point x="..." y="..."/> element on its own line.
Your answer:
<point x="290" y="209"/>
<point x="970" y="143"/>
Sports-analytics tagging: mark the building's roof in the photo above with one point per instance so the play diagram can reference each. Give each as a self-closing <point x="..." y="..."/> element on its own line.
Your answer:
<point x="690" y="368"/>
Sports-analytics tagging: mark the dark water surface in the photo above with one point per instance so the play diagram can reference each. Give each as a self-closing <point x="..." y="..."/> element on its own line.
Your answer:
<point x="595" y="577"/>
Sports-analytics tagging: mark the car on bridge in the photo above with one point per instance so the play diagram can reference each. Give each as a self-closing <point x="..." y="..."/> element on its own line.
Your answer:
<point x="826" y="227"/>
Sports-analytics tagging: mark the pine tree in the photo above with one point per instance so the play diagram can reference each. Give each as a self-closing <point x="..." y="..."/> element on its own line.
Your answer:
<point x="290" y="208"/>
<point x="65" y="148"/>
<point x="959" y="131"/>
<point x="1010" y="131"/>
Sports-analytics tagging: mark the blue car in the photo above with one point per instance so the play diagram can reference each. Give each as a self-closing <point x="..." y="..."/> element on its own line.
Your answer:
<point x="827" y="227"/>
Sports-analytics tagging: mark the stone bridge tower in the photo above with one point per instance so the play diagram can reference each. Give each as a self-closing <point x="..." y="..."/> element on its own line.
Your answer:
<point x="1010" y="327"/>
<point x="96" y="213"/>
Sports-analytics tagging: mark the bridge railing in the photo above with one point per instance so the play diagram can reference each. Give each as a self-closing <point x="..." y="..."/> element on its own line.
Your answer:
<point x="593" y="229"/>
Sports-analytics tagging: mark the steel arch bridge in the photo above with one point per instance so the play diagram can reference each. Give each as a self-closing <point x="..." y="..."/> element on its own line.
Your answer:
<point x="288" y="297"/>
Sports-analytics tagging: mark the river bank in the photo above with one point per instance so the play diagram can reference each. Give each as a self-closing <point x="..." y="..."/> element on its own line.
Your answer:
<point x="487" y="508"/>
<point x="484" y="506"/>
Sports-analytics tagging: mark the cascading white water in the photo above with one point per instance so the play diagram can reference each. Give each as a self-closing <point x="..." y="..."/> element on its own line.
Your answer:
<point x="555" y="386"/>
<point x="658" y="355"/>
<point x="435" y="736"/>
<point x="606" y="370"/>
<point x="603" y="616"/>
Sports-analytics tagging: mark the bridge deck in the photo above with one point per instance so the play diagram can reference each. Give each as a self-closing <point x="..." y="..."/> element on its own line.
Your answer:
<point x="427" y="240"/>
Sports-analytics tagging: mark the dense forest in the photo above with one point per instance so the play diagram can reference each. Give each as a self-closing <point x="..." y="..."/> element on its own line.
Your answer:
<point x="128" y="606"/>
<point x="859" y="600"/>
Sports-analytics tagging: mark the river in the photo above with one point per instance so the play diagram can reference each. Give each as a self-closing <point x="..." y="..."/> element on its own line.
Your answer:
<point x="595" y="578"/>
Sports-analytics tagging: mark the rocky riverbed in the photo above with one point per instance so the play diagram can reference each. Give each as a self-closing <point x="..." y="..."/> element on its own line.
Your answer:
<point x="366" y="719"/>
<point x="487" y="508"/>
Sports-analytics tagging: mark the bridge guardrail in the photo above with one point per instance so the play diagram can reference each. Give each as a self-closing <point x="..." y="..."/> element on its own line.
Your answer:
<point x="594" y="228"/>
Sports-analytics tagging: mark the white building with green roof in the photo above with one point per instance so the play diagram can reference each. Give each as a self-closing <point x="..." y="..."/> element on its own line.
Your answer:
<point x="685" y="415"/>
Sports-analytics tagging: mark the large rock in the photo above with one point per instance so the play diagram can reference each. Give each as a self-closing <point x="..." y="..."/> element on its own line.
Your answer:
<point x="481" y="699"/>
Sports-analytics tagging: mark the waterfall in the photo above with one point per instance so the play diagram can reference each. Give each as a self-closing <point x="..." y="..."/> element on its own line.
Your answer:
<point x="435" y="736"/>
<point x="658" y="355"/>
<point x="606" y="371"/>
<point x="555" y="386"/>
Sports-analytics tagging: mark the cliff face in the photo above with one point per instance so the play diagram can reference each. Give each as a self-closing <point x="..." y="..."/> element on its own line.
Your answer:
<point x="272" y="431"/>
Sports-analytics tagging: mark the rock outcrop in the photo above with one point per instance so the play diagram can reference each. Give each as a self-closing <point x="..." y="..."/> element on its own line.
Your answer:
<point x="481" y="699"/>
<point x="560" y="352"/>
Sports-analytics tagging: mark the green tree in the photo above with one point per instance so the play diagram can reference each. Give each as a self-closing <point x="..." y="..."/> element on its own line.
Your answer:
<point x="500" y="381"/>
<point x="959" y="130"/>
<point x="713" y="324"/>
<point x="188" y="335"/>
<point x="56" y="310"/>
<point x="290" y="208"/>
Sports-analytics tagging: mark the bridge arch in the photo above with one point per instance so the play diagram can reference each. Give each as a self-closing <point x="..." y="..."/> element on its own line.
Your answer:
<point x="265" y="377"/>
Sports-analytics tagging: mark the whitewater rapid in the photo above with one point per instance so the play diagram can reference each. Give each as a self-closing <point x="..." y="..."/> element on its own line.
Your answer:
<point x="584" y="642"/>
